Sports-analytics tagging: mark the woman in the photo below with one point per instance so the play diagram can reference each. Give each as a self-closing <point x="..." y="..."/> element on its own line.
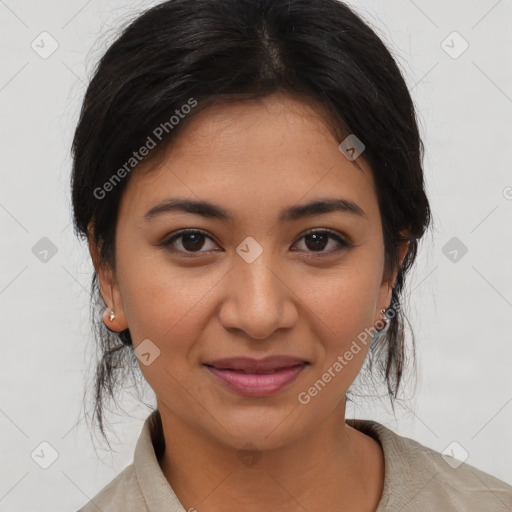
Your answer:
<point x="248" y="175"/>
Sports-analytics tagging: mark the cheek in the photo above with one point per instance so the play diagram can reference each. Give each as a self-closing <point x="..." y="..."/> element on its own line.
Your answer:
<point x="341" y="312"/>
<point x="344" y="301"/>
<point x="164" y="302"/>
<point x="171" y="309"/>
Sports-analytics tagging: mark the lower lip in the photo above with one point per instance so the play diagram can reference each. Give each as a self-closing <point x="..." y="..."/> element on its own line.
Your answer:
<point x="257" y="384"/>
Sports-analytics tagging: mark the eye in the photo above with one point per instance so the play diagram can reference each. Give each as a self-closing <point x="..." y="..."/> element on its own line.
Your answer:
<point x="318" y="239"/>
<point x="192" y="240"/>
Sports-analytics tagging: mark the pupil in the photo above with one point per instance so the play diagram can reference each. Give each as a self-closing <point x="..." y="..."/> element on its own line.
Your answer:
<point x="316" y="237"/>
<point x="196" y="244"/>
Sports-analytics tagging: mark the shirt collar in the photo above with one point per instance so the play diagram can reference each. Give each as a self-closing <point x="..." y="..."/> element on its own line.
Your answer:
<point x="159" y="495"/>
<point x="153" y="485"/>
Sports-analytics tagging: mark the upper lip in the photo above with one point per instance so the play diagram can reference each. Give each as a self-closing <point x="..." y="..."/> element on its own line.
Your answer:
<point x="249" y="364"/>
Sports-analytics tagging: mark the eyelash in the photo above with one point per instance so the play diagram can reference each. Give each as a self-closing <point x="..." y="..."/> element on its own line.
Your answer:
<point x="344" y="244"/>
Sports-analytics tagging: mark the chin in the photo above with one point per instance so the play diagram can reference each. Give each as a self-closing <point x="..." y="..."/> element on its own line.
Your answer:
<point x="267" y="432"/>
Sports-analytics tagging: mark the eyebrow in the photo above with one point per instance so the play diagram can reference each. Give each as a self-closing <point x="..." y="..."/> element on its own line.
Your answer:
<point x="213" y="211"/>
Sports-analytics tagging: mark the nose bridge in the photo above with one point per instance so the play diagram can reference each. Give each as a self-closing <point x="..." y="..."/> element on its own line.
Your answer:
<point x="258" y="278"/>
<point x="258" y="282"/>
<point x="257" y="302"/>
<point x="255" y="262"/>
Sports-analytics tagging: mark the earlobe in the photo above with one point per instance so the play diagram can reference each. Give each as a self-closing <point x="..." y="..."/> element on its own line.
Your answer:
<point x="112" y="321"/>
<point x="389" y="282"/>
<point x="113" y="315"/>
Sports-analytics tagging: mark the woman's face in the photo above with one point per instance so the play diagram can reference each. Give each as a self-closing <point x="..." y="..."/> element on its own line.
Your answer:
<point x="254" y="284"/>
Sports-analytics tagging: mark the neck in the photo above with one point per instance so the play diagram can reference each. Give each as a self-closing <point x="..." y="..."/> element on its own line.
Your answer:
<point x="334" y="467"/>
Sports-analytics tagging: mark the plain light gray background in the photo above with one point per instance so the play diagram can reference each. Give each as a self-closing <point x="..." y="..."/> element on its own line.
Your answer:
<point x="461" y="310"/>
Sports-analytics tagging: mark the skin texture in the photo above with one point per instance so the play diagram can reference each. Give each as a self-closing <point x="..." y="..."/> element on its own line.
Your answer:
<point x="254" y="159"/>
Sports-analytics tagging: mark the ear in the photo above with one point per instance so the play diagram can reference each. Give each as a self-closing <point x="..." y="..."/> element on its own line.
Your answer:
<point x="388" y="282"/>
<point x="109" y="287"/>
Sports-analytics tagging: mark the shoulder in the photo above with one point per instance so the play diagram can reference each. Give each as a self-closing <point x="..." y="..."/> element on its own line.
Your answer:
<point x="420" y="478"/>
<point x="141" y="486"/>
<point x="122" y="494"/>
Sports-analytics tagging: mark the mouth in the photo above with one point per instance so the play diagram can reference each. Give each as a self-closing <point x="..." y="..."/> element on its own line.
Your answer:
<point x="268" y="364"/>
<point x="254" y="372"/>
<point x="256" y="378"/>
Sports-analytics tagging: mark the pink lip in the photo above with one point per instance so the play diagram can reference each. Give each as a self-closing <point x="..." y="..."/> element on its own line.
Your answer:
<point x="257" y="384"/>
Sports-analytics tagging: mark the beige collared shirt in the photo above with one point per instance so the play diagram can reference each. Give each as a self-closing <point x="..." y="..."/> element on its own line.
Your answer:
<point x="417" y="479"/>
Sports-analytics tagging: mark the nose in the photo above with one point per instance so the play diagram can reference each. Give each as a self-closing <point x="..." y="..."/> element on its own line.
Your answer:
<point x="258" y="299"/>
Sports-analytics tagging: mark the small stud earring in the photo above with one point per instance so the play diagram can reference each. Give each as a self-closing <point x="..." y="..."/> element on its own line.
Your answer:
<point x="112" y="315"/>
<point x="383" y="322"/>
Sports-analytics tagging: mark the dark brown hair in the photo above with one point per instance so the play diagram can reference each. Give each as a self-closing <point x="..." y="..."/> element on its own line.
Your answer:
<point x="214" y="51"/>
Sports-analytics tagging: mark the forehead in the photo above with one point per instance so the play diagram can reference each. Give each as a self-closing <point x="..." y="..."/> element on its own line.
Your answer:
<point x="252" y="155"/>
